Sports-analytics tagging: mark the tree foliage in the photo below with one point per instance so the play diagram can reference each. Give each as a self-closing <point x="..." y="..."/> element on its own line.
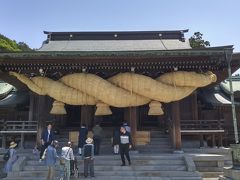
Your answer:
<point x="8" y="45"/>
<point x="197" y="41"/>
<point x="24" y="47"/>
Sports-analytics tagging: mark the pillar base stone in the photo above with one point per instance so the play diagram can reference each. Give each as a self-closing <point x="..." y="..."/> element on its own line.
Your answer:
<point x="230" y="174"/>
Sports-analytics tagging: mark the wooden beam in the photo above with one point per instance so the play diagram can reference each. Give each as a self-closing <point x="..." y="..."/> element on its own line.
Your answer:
<point x="177" y="141"/>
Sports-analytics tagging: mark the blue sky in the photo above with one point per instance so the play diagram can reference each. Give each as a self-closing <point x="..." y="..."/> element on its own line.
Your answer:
<point x="25" y="20"/>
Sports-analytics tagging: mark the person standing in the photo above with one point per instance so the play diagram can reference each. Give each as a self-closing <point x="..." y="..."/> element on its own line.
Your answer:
<point x="125" y="145"/>
<point x="12" y="157"/>
<point x="97" y="137"/>
<point x="88" y="157"/>
<point x="50" y="159"/>
<point x="67" y="156"/>
<point x="83" y="132"/>
<point x="47" y="138"/>
<point x="115" y="140"/>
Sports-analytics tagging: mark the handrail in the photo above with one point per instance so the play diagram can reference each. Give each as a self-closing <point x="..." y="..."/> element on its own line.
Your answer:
<point x="214" y="124"/>
<point x="19" y="125"/>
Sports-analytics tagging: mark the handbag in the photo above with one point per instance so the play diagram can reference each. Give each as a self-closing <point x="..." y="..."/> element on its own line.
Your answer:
<point x="62" y="161"/>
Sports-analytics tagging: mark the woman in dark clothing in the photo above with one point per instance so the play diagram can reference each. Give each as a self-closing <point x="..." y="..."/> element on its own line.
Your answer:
<point x="115" y="140"/>
<point x="83" y="132"/>
<point x="125" y="144"/>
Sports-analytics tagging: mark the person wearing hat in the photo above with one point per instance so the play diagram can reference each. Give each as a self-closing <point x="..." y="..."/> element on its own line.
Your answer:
<point x="12" y="157"/>
<point x="88" y="157"/>
<point x="51" y="159"/>
<point x="67" y="156"/>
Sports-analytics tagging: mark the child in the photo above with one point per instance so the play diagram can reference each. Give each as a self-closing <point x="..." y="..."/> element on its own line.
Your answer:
<point x="88" y="156"/>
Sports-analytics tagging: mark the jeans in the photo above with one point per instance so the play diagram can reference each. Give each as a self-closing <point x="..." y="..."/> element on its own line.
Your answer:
<point x="66" y="170"/>
<point x="88" y="163"/>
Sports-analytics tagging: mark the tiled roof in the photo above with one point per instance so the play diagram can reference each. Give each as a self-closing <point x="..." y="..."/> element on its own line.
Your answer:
<point x="114" y="45"/>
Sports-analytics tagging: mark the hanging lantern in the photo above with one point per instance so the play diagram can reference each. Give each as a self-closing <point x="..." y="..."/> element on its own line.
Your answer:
<point x="58" y="108"/>
<point x="102" y="109"/>
<point x="155" y="108"/>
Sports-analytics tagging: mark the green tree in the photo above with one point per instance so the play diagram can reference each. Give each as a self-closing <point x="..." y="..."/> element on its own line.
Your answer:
<point x="8" y="45"/>
<point x="24" y="47"/>
<point x="197" y="41"/>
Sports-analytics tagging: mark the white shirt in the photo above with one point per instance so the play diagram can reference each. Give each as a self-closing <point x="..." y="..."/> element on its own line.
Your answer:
<point x="48" y="135"/>
<point x="124" y="139"/>
<point x="67" y="153"/>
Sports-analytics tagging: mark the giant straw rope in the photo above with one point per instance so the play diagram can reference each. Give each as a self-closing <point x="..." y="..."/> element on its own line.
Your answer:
<point x="121" y="90"/>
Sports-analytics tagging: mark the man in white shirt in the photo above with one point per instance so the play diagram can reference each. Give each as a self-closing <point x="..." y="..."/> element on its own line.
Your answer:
<point x="67" y="156"/>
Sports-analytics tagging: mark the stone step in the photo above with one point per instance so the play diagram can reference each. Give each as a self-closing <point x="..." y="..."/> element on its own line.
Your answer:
<point x="159" y="142"/>
<point x="211" y="174"/>
<point x="149" y="173"/>
<point x="139" y="162"/>
<point x="160" y="138"/>
<point x="155" y="146"/>
<point x="175" y="174"/>
<point x="159" y="135"/>
<point x="169" y="156"/>
<point x="35" y="173"/>
<point x="114" y="178"/>
<point x="155" y="151"/>
<point x="117" y="167"/>
<point x="210" y="169"/>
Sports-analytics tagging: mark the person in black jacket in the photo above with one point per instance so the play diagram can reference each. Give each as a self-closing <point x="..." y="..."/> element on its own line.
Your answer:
<point x="83" y="132"/>
<point x="47" y="138"/>
<point x="125" y="145"/>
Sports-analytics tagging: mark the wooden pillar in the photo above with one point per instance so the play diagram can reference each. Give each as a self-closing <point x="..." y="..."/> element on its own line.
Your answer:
<point x="87" y="115"/>
<point x="41" y="115"/>
<point x="3" y="141"/>
<point x="130" y="115"/>
<point x="194" y="106"/>
<point x="31" y="107"/>
<point x="126" y="115"/>
<point x="177" y="142"/>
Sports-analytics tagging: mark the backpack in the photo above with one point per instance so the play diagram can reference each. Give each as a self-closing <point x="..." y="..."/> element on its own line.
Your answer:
<point x="6" y="156"/>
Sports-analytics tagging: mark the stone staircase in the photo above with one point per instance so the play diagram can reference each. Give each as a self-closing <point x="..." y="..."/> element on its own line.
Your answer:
<point x="159" y="167"/>
<point x="159" y="143"/>
<point x="154" y="161"/>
